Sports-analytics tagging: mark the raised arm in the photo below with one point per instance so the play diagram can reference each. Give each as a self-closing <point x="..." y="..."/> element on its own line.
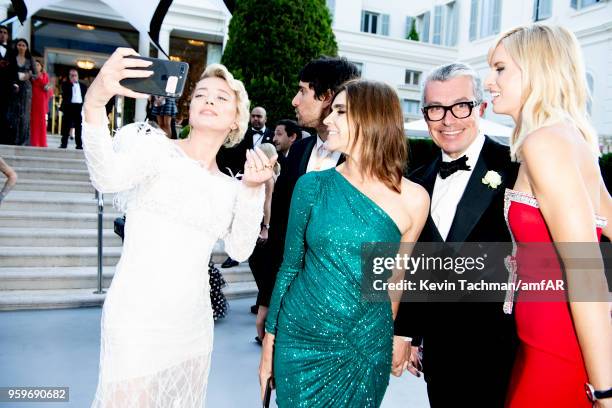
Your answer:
<point x="112" y="171"/>
<point x="569" y="214"/>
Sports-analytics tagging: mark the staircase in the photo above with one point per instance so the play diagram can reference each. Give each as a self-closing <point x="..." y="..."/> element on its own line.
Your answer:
<point x="48" y="234"/>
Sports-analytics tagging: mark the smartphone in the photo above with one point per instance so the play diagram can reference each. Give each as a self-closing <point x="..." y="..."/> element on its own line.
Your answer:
<point x="168" y="78"/>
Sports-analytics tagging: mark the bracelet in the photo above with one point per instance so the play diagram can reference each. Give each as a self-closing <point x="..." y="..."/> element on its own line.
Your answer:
<point x="266" y="226"/>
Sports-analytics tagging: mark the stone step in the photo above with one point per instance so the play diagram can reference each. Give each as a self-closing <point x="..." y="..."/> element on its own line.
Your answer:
<point x="56" y="237"/>
<point x="48" y="152"/>
<point x="39" y="219"/>
<point x="32" y="201"/>
<point x="42" y="174"/>
<point x="14" y="256"/>
<point x="38" y="162"/>
<point x="32" y="278"/>
<point x="56" y="256"/>
<point x="71" y="298"/>
<point x="60" y="186"/>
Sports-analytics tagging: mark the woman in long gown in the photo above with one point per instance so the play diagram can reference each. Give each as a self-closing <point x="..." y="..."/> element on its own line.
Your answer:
<point x="40" y="106"/>
<point x="327" y="346"/>
<point x="157" y="322"/>
<point x="538" y="79"/>
<point x="21" y="103"/>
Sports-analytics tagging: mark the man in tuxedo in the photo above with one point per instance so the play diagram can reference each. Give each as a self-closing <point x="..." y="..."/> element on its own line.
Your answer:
<point x="8" y="78"/>
<point x="319" y="81"/>
<point x="468" y="348"/>
<point x="269" y="245"/>
<point x="73" y="92"/>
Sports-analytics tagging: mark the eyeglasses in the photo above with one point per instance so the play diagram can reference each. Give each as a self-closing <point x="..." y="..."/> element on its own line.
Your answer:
<point x="460" y="110"/>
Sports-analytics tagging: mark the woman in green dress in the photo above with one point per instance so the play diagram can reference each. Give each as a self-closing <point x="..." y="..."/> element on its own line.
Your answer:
<point x="324" y="345"/>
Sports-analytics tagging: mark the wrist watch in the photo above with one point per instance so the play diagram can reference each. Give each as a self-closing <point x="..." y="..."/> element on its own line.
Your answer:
<point x="595" y="395"/>
<point x="266" y="226"/>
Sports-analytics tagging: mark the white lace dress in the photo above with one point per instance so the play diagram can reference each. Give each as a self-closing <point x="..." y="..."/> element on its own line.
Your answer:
<point x="157" y="325"/>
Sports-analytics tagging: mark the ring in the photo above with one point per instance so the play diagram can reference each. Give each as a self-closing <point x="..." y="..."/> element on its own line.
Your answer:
<point x="267" y="166"/>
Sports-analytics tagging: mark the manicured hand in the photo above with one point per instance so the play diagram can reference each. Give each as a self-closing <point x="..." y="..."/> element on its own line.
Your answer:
<point x="265" y="365"/>
<point x="258" y="167"/>
<point x="117" y="67"/>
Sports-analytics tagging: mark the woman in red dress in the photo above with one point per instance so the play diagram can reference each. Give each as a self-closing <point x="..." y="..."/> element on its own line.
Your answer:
<point x="40" y="107"/>
<point x="538" y="78"/>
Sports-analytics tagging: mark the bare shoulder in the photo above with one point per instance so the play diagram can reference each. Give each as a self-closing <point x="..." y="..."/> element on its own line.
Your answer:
<point x="414" y="197"/>
<point x="556" y="142"/>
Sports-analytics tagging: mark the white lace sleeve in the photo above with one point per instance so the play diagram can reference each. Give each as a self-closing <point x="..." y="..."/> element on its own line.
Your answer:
<point x="245" y="227"/>
<point x="121" y="163"/>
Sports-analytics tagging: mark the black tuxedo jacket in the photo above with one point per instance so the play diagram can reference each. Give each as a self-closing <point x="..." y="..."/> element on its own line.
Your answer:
<point x="467" y="346"/>
<point x="67" y="94"/>
<point x="292" y="168"/>
<point x="233" y="158"/>
<point x="8" y="75"/>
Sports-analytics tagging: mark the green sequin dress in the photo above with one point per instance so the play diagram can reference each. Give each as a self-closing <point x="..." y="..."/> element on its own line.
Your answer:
<point x="332" y="349"/>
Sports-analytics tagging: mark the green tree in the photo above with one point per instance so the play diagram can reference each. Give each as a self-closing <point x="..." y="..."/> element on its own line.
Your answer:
<point x="269" y="42"/>
<point x="413" y="34"/>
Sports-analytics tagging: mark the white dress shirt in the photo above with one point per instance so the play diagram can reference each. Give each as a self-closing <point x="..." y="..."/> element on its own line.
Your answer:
<point x="257" y="138"/>
<point x="2" y="50"/>
<point x="447" y="192"/>
<point x="321" y="158"/>
<point x="76" y="93"/>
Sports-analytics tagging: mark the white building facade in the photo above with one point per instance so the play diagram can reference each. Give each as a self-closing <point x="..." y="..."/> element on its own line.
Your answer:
<point x="373" y="34"/>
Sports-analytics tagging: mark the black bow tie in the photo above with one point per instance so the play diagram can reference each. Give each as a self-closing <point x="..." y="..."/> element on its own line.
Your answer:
<point x="448" y="168"/>
<point x="258" y="132"/>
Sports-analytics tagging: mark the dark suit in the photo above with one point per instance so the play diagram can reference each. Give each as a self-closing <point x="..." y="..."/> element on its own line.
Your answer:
<point x="292" y="168"/>
<point x="71" y="114"/>
<point x="8" y="77"/>
<point x="468" y="347"/>
<point x="233" y="158"/>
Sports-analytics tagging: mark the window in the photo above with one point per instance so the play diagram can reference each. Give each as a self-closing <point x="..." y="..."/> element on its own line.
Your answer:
<point x="591" y="86"/>
<point x="542" y="9"/>
<point x="423" y="26"/>
<point x="437" y="27"/>
<point x="412" y="77"/>
<point x="410" y="107"/>
<point x="445" y="25"/>
<point x="374" y="23"/>
<point x="485" y="18"/>
<point x="451" y="25"/>
<point x="580" y="4"/>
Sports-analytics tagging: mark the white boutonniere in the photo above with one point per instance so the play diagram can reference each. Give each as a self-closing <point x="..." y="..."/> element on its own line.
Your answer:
<point x="492" y="179"/>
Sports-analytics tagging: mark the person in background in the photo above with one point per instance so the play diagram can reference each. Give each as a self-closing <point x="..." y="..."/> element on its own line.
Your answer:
<point x="164" y="110"/>
<point x="40" y="104"/>
<point x="8" y="78"/>
<point x="73" y="92"/>
<point x="21" y="102"/>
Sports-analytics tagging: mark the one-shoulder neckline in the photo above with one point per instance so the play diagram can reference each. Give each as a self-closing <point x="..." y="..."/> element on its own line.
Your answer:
<point x="372" y="202"/>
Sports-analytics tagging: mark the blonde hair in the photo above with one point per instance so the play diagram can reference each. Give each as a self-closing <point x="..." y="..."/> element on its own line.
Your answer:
<point x="554" y="87"/>
<point x="242" y="101"/>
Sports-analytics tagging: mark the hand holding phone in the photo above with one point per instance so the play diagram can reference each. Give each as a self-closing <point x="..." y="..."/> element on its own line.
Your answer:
<point x="168" y="79"/>
<point x="107" y="83"/>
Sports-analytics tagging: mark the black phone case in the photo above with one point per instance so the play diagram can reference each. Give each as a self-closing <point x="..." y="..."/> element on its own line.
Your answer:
<point x="168" y="78"/>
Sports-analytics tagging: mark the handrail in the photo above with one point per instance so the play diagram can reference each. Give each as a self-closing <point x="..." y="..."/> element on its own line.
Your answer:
<point x="100" y="197"/>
